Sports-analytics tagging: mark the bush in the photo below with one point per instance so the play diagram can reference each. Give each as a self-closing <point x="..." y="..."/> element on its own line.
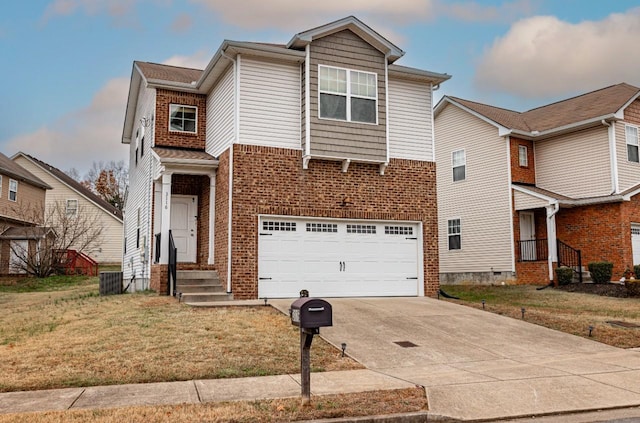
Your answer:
<point x="633" y="287"/>
<point x="601" y="271"/>
<point x="636" y="269"/>
<point x="564" y="275"/>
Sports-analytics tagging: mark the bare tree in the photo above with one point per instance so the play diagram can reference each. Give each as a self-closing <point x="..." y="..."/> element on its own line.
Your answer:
<point x="63" y="229"/>
<point x="107" y="179"/>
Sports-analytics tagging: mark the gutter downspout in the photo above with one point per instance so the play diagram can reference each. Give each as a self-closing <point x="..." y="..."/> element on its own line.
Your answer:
<point x="236" y="77"/>
<point x="511" y="206"/>
<point x="613" y="156"/>
<point x="552" y="210"/>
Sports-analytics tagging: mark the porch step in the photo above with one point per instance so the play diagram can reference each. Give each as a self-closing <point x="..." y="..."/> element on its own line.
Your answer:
<point x="198" y="286"/>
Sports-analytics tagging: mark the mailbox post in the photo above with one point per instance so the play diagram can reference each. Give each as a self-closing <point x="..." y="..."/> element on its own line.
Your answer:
<point x="309" y="314"/>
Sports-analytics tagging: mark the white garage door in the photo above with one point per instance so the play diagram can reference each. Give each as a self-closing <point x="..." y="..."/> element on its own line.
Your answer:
<point x="635" y="242"/>
<point x="337" y="258"/>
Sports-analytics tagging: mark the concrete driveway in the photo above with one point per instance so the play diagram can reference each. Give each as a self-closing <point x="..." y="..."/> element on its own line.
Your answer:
<point x="478" y="365"/>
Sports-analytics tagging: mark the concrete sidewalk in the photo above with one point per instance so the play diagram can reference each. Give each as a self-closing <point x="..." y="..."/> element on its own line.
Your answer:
<point x="195" y="391"/>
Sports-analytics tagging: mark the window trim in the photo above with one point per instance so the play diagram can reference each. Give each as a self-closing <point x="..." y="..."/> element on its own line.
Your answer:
<point x="454" y="167"/>
<point x="459" y="234"/>
<point x="348" y="95"/>
<point x="15" y="190"/>
<point x="66" y="210"/>
<point x="522" y="148"/>
<point x="195" y="132"/>
<point x="637" y="142"/>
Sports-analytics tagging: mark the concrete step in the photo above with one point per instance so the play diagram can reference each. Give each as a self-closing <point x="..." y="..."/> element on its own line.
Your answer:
<point x="199" y="288"/>
<point x="189" y="298"/>
<point x="197" y="274"/>
<point x="197" y="282"/>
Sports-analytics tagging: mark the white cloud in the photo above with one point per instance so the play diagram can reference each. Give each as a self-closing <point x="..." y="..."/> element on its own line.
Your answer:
<point x="198" y="60"/>
<point x="182" y="23"/>
<point x="544" y="56"/>
<point x="90" y="7"/>
<point x="83" y="136"/>
<point x="472" y="11"/>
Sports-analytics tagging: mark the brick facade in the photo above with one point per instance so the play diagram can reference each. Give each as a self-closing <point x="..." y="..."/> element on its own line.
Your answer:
<point x="522" y="174"/>
<point x="166" y="138"/>
<point x="270" y="180"/>
<point x="632" y="113"/>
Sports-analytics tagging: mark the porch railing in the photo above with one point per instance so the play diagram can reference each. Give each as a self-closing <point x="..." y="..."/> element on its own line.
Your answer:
<point x="156" y="244"/>
<point x="570" y="257"/>
<point x="173" y="260"/>
<point x="533" y="250"/>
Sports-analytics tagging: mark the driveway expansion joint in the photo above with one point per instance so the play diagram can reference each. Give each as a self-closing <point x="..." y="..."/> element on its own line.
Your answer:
<point x="77" y="398"/>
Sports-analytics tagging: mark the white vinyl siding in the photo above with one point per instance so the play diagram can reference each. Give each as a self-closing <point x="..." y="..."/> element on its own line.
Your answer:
<point x="576" y="165"/>
<point x="524" y="201"/>
<point x="410" y="122"/>
<point x="139" y="195"/>
<point x="220" y="115"/>
<point x="109" y="249"/>
<point x="482" y="202"/>
<point x="628" y="172"/>
<point x="270" y="110"/>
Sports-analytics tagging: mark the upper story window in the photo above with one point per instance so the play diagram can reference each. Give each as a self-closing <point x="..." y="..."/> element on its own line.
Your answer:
<point x="13" y="190"/>
<point x="454" y="232"/>
<point x="459" y="164"/>
<point x="72" y="208"/>
<point x="523" y="159"/>
<point x="348" y="95"/>
<point x="631" y="133"/>
<point x="183" y="118"/>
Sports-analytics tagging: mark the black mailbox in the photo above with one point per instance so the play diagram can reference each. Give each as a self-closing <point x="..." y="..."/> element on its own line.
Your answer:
<point x="311" y="313"/>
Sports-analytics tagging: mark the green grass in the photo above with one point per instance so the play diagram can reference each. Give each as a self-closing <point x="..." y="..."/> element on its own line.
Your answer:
<point x="52" y="283"/>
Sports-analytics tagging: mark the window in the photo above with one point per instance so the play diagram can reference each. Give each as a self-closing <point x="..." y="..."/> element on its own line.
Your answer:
<point x="454" y="234"/>
<point x="183" y="118"/>
<point x="632" y="143"/>
<point x="523" y="160"/>
<point x="72" y="208"/>
<point x="137" y="142"/>
<point x="361" y="229"/>
<point x="13" y="190"/>
<point x="348" y="95"/>
<point x="322" y="227"/>
<point x="138" y="231"/>
<point x="279" y="226"/>
<point x="398" y="230"/>
<point x="458" y="162"/>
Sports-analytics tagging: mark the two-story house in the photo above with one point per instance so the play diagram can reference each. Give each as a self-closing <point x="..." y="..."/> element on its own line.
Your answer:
<point x="306" y="165"/>
<point x="22" y="197"/>
<point x="73" y="199"/>
<point x="520" y="193"/>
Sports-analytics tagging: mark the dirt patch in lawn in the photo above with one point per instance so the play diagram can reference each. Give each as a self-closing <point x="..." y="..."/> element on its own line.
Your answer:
<point x="280" y="410"/>
<point x="602" y="289"/>
<point x="76" y="338"/>
<point x="561" y="309"/>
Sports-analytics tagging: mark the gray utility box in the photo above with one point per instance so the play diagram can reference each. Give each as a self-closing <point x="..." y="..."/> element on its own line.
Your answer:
<point x="311" y="313"/>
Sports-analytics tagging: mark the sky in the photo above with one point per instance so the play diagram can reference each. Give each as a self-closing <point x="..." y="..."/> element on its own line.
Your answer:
<point x="66" y="64"/>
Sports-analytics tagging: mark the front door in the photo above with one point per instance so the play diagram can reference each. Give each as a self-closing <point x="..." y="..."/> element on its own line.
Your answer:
<point x="184" y="218"/>
<point x="527" y="237"/>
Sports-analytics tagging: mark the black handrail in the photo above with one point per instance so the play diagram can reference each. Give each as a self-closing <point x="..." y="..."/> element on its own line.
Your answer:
<point x="173" y="268"/>
<point x="157" y="246"/>
<point x="570" y="257"/>
<point x="533" y="250"/>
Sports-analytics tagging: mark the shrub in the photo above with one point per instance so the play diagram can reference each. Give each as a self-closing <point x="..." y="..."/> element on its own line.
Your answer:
<point x="601" y="271"/>
<point x="564" y="275"/>
<point x="636" y="269"/>
<point x="633" y="287"/>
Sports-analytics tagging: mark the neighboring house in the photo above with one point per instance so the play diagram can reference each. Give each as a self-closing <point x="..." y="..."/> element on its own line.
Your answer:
<point x="22" y="197"/>
<point x="518" y="193"/>
<point x="75" y="198"/>
<point x="286" y="167"/>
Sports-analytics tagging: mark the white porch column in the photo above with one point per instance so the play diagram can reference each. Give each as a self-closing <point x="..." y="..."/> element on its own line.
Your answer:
<point x="551" y="237"/>
<point x="212" y="216"/>
<point x="165" y="217"/>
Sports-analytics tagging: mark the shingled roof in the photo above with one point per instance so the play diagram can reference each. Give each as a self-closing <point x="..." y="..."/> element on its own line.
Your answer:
<point x="13" y="169"/>
<point x="76" y="186"/>
<point x="156" y="71"/>
<point x="592" y="105"/>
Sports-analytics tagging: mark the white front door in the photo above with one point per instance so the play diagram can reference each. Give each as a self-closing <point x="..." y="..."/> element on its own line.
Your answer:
<point x="184" y="218"/>
<point x="338" y="258"/>
<point x="527" y="233"/>
<point x="635" y="243"/>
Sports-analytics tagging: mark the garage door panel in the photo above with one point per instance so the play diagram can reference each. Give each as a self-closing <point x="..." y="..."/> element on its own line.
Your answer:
<point x="338" y="258"/>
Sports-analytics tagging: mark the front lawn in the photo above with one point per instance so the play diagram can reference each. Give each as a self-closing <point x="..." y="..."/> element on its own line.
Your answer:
<point x="570" y="312"/>
<point x="62" y="334"/>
